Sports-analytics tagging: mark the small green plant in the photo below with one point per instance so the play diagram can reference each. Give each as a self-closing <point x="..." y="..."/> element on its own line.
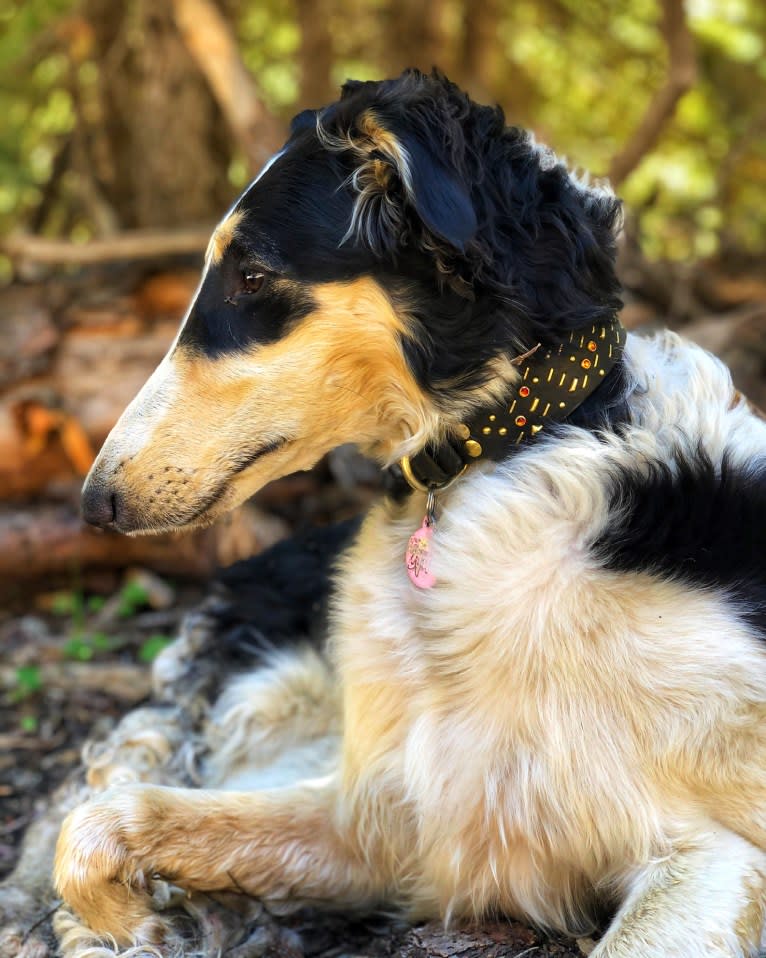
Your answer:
<point x="28" y="681"/>
<point x="76" y="647"/>
<point x="82" y="646"/>
<point x="133" y="598"/>
<point x="29" y="723"/>
<point x="95" y="603"/>
<point x="152" y="647"/>
<point x="66" y="603"/>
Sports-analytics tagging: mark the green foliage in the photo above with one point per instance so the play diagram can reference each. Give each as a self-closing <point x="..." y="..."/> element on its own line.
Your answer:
<point x="82" y="646"/>
<point x="29" y="723"/>
<point x="133" y="598"/>
<point x="152" y="647"/>
<point x="270" y="41"/>
<point x="35" y="103"/>
<point x="28" y="681"/>
<point x="581" y="73"/>
<point x="84" y="643"/>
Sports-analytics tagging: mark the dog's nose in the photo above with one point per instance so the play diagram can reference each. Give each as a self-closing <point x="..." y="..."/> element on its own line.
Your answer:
<point x="100" y="505"/>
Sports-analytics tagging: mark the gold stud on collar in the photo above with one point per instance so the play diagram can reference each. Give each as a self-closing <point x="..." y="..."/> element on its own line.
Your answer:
<point x="473" y="448"/>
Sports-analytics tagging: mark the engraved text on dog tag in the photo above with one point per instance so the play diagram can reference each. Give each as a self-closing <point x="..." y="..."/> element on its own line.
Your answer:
<point x="418" y="556"/>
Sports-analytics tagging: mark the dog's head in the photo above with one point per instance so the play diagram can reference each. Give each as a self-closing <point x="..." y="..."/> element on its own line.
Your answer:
<point x="371" y="286"/>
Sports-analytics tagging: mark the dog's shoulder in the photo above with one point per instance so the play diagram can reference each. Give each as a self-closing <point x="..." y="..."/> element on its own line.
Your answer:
<point x="687" y="500"/>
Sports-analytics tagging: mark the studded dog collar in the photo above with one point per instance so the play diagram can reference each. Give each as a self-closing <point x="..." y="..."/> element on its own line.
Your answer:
<point x="554" y="382"/>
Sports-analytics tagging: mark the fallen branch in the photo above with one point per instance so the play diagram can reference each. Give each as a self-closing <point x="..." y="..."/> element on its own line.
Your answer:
<point x="127" y="683"/>
<point x="53" y="540"/>
<point x="133" y="245"/>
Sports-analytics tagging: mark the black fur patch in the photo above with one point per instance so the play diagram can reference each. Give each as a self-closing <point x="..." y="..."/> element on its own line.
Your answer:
<point x="281" y="595"/>
<point x="294" y="219"/>
<point x="690" y="521"/>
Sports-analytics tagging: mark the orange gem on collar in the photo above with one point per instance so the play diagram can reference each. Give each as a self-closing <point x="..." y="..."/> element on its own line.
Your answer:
<point x="524" y="391"/>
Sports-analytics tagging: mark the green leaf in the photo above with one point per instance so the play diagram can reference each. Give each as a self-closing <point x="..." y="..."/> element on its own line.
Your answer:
<point x="100" y="641"/>
<point x="28" y="679"/>
<point x="133" y="596"/>
<point x="152" y="647"/>
<point x="29" y="723"/>
<point x="65" y="603"/>
<point x="78" y="648"/>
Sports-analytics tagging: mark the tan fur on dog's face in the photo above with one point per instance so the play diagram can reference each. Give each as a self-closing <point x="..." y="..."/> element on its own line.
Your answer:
<point x="205" y="433"/>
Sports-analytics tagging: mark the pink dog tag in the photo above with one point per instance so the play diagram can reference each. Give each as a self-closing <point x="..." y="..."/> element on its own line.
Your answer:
<point x="418" y="556"/>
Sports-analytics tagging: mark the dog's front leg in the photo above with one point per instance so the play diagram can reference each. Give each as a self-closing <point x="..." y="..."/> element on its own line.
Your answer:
<point x="271" y="844"/>
<point x="706" y="900"/>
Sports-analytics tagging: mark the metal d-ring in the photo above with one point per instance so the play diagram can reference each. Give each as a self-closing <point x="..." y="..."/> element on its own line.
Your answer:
<point x="430" y="507"/>
<point x="433" y="487"/>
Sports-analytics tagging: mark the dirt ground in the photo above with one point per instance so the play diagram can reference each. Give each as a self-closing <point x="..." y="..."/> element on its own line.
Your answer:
<point x="67" y="676"/>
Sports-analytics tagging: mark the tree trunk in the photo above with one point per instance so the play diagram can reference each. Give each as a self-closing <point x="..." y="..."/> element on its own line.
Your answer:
<point x="415" y="34"/>
<point x="482" y="54"/>
<point x="155" y="139"/>
<point x="316" y="52"/>
<point x="213" y="45"/>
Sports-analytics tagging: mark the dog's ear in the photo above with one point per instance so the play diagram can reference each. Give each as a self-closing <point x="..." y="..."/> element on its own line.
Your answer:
<point x="432" y="187"/>
<point x="439" y="196"/>
<point x="305" y="120"/>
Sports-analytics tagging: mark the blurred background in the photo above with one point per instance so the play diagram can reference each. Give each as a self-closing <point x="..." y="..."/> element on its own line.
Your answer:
<point x="126" y="128"/>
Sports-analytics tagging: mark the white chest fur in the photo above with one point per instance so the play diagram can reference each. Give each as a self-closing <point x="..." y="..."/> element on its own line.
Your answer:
<point x="525" y="729"/>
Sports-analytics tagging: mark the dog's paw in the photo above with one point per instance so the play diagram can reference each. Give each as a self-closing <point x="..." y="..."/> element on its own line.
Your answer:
<point x="103" y="867"/>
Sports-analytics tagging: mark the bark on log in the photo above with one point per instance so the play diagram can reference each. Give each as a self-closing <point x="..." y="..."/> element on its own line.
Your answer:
<point x="130" y="244"/>
<point x="49" y="540"/>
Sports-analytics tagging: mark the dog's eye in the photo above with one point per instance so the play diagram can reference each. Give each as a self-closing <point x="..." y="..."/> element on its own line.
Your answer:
<point x="252" y="281"/>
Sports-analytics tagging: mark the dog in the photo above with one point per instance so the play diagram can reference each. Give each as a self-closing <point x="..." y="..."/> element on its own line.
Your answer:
<point x="544" y="692"/>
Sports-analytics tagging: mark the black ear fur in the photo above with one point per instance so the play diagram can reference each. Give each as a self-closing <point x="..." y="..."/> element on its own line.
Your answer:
<point x="439" y="195"/>
<point x="305" y="120"/>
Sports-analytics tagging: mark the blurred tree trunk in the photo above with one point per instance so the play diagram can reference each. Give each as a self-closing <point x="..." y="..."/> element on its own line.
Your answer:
<point x="157" y="144"/>
<point x="482" y="54"/>
<point x="316" y="52"/>
<point x="212" y="43"/>
<point x="485" y="68"/>
<point x="415" y="34"/>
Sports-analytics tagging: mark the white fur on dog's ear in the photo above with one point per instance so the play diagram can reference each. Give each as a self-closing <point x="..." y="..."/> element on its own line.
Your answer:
<point x="396" y="172"/>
